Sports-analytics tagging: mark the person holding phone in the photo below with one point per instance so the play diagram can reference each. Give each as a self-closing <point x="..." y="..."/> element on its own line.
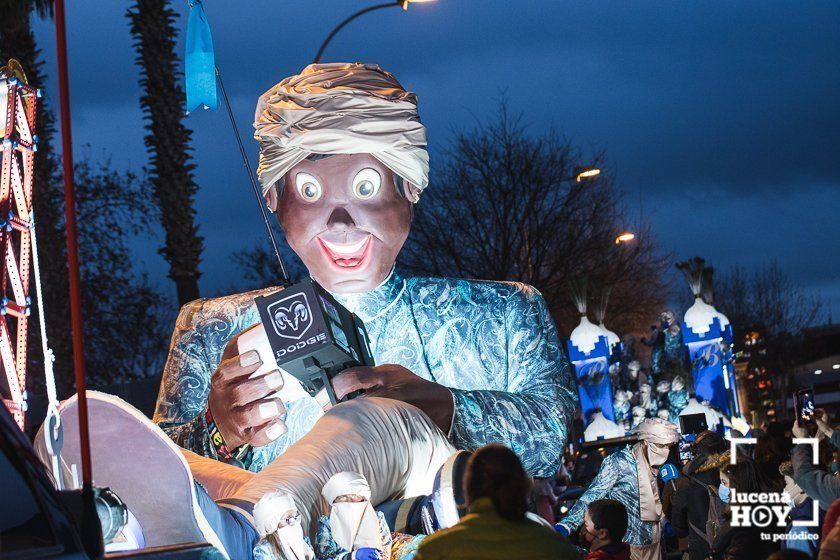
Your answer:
<point x="817" y="482"/>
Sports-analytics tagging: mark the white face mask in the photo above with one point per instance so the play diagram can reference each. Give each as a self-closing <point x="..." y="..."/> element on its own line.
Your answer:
<point x="292" y="543"/>
<point x="355" y="525"/>
<point x="657" y="456"/>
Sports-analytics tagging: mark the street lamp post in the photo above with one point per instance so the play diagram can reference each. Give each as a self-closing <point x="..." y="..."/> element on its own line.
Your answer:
<point x="393" y="4"/>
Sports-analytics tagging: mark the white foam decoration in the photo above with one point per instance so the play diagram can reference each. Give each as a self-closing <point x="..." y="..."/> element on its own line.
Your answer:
<point x="724" y="320"/>
<point x="700" y="316"/>
<point x="612" y="338"/>
<point x="600" y="426"/>
<point x="586" y="335"/>
<point x="694" y="407"/>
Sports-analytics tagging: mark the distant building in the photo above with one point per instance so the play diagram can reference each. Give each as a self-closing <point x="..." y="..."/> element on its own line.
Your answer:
<point x="819" y="367"/>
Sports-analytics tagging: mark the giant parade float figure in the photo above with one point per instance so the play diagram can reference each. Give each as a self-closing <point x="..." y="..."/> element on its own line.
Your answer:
<point x="460" y="363"/>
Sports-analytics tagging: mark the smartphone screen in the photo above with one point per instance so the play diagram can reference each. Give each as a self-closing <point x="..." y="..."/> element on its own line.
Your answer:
<point x="685" y="452"/>
<point x="805" y="406"/>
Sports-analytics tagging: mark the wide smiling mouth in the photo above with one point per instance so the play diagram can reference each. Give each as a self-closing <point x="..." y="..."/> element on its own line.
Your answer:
<point x="347" y="255"/>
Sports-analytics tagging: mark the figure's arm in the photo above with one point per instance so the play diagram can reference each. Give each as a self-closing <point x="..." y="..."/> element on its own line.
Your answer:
<point x="185" y="385"/>
<point x="532" y="416"/>
<point x="325" y="547"/>
<point x="599" y="487"/>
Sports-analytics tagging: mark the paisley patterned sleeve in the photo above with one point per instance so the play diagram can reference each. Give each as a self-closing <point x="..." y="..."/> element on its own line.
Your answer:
<point x="185" y="385"/>
<point x="602" y="483"/>
<point x="325" y="547"/>
<point x="532" y="415"/>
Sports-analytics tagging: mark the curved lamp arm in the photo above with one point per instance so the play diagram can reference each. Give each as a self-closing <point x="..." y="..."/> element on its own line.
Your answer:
<point x="348" y="20"/>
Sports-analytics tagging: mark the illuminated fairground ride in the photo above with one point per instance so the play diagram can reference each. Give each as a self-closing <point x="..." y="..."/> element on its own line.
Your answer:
<point x="18" y="106"/>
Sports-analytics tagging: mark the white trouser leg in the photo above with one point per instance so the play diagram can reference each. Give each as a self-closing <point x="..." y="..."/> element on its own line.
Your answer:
<point x="393" y="444"/>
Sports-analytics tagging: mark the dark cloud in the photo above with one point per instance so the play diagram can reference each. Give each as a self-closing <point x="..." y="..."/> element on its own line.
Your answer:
<point x="723" y="117"/>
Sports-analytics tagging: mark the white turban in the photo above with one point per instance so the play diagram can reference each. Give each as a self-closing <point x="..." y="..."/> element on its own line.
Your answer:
<point x="659" y="431"/>
<point x="340" y="108"/>
<point x="270" y="510"/>
<point x="345" y="483"/>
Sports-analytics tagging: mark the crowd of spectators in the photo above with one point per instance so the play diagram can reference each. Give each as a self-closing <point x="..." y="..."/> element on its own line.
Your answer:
<point x="700" y="518"/>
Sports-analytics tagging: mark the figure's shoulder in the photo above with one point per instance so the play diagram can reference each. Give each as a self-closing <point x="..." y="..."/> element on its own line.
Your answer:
<point x="222" y="307"/>
<point x="617" y="458"/>
<point x="442" y="289"/>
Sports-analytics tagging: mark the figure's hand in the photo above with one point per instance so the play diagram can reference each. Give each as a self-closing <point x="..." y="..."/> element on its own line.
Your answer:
<point x="241" y="407"/>
<point x="368" y="554"/>
<point x="798" y="431"/>
<point x="396" y="382"/>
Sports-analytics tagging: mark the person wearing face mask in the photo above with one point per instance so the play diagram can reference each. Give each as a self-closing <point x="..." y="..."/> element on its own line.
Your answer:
<point x="630" y="476"/>
<point x="801" y="509"/>
<point x="605" y="523"/>
<point x="276" y="517"/>
<point x="353" y="530"/>
<point x="740" y="543"/>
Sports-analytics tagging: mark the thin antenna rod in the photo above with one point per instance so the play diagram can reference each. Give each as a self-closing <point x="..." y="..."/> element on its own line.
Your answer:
<point x="254" y="187"/>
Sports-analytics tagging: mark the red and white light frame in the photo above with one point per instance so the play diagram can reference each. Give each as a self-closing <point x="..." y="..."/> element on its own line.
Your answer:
<point x="17" y="161"/>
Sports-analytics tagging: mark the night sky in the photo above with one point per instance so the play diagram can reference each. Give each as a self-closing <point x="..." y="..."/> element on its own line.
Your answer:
<point x="720" y="120"/>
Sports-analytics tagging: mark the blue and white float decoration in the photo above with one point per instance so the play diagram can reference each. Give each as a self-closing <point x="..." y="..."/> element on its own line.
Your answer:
<point x="707" y="334"/>
<point x="601" y="428"/>
<point x="589" y="352"/>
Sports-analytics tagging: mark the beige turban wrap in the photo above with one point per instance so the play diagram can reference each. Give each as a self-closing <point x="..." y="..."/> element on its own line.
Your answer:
<point x="340" y="108"/>
<point x="661" y="432"/>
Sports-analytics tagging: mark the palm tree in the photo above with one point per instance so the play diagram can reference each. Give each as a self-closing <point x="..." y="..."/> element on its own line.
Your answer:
<point x="152" y="25"/>
<point x="17" y="40"/>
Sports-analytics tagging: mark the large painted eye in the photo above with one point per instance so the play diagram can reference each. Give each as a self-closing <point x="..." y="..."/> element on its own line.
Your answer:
<point x="366" y="183"/>
<point x="308" y="187"/>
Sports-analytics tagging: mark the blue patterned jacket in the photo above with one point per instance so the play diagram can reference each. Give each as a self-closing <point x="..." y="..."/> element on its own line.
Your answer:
<point x="493" y="344"/>
<point x="616" y="480"/>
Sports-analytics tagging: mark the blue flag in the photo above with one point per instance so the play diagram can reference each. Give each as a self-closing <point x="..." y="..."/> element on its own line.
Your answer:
<point x="200" y="62"/>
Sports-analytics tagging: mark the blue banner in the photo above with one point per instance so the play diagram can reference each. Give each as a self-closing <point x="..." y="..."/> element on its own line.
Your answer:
<point x="200" y="61"/>
<point x="595" y="388"/>
<point x="709" y="369"/>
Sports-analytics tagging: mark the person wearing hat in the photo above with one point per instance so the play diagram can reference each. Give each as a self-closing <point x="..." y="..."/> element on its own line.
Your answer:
<point x="277" y="517"/>
<point x="630" y="477"/>
<point x="353" y="530"/>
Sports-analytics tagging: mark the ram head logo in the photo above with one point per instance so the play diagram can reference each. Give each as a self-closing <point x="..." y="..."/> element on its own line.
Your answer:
<point x="291" y="316"/>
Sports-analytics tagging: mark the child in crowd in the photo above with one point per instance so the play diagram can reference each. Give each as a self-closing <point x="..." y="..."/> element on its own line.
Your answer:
<point x="606" y="522"/>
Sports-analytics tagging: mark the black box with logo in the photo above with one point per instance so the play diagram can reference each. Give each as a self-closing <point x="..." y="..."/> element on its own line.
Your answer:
<point x="313" y="337"/>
